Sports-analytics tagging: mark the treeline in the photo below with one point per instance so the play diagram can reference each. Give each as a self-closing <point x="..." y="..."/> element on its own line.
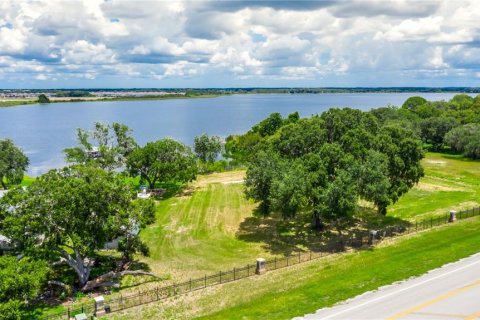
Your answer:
<point x="327" y="163"/>
<point x="442" y="125"/>
<point x="58" y="224"/>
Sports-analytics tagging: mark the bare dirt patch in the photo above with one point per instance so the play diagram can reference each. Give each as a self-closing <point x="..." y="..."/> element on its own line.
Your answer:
<point x="435" y="187"/>
<point x="229" y="177"/>
<point x="435" y="162"/>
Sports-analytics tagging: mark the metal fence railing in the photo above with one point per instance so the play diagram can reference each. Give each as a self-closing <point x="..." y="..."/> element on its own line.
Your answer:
<point x="338" y="244"/>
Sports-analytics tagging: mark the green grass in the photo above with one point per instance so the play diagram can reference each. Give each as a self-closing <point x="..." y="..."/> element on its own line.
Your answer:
<point x="194" y="235"/>
<point x="305" y="288"/>
<point x="450" y="182"/>
<point x="212" y="227"/>
<point x="21" y="102"/>
<point x="215" y="229"/>
<point x="27" y="180"/>
<point x="13" y="103"/>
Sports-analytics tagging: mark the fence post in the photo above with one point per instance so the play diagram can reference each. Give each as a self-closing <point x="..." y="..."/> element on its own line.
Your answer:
<point x="275" y="263"/>
<point x="68" y="312"/>
<point x="220" y="276"/>
<point x="190" y="284"/>
<point x="431" y="223"/>
<point x="299" y="257"/>
<point x="205" y="280"/>
<point x="248" y="270"/>
<point x="310" y="255"/>
<point x="287" y="261"/>
<point x="234" y="278"/>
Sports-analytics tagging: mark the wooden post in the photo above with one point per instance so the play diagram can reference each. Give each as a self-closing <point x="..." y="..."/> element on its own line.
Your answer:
<point x="205" y="281"/>
<point x="234" y="274"/>
<point x="220" y="276"/>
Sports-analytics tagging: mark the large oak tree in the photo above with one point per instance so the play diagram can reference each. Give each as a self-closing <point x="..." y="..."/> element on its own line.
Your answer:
<point x="326" y="164"/>
<point x="70" y="213"/>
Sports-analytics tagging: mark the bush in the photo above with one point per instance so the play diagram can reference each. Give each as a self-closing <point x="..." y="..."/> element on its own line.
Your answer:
<point x="465" y="139"/>
<point x="43" y="99"/>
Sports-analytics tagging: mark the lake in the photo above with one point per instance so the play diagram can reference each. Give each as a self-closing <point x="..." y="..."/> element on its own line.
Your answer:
<point x="43" y="131"/>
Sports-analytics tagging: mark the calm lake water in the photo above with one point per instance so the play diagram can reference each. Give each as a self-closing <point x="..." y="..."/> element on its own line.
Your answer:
<point x="43" y="131"/>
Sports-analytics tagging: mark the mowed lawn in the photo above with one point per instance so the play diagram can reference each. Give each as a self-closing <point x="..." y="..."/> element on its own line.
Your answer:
<point x="450" y="183"/>
<point x="304" y="288"/>
<point x="195" y="234"/>
<point x="212" y="227"/>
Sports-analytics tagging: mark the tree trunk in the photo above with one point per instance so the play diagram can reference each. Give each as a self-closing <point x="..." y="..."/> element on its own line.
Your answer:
<point x="151" y="183"/>
<point x="101" y="281"/>
<point x="316" y="222"/>
<point x="77" y="264"/>
<point x="382" y="210"/>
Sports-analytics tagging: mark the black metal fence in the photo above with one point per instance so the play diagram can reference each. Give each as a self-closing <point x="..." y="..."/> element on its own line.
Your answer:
<point x="122" y="302"/>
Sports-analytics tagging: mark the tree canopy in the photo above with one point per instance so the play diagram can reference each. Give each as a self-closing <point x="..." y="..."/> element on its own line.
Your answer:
<point x="20" y="283"/>
<point x="107" y="146"/>
<point x="70" y="213"/>
<point x="240" y="148"/>
<point x="43" y="99"/>
<point x="207" y="147"/>
<point x="13" y="163"/>
<point x="163" y="160"/>
<point x="326" y="163"/>
<point x="465" y="139"/>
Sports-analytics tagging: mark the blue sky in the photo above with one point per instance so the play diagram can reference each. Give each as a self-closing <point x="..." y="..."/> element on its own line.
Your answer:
<point x="120" y="43"/>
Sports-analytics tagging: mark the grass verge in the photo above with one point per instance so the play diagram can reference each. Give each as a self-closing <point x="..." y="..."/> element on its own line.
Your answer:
<point x="305" y="288"/>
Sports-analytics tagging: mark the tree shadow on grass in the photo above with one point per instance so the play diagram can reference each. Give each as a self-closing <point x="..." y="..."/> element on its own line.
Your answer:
<point x="289" y="236"/>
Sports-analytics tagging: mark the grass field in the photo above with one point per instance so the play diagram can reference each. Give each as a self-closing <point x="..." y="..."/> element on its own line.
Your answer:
<point x="450" y="182"/>
<point x="16" y="102"/>
<point x="304" y="288"/>
<point x="212" y="227"/>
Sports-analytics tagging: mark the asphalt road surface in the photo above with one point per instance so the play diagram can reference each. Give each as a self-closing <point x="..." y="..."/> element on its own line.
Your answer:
<point x="450" y="292"/>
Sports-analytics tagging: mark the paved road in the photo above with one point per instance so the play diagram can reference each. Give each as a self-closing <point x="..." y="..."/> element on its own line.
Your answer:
<point x="450" y="292"/>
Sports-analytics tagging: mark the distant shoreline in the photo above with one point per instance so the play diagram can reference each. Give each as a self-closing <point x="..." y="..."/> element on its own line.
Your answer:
<point x="25" y="102"/>
<point x="213" y="93"/>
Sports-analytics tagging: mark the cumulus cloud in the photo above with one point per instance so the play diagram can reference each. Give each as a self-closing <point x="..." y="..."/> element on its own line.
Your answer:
<point x="319" y="43"/>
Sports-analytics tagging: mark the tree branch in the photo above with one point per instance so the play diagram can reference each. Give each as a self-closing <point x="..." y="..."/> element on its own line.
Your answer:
<point x="58" y="283"/>
<point x="101" y="281"/>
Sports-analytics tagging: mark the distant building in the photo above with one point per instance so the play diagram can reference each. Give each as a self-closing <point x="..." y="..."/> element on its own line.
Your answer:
<point x="5" y="243"/>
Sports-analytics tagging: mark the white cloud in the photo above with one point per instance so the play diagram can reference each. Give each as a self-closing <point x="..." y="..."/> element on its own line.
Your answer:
<point x="84" y="52"/>
<point x="12" y="41"/>
<point x="137" y="41"/>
